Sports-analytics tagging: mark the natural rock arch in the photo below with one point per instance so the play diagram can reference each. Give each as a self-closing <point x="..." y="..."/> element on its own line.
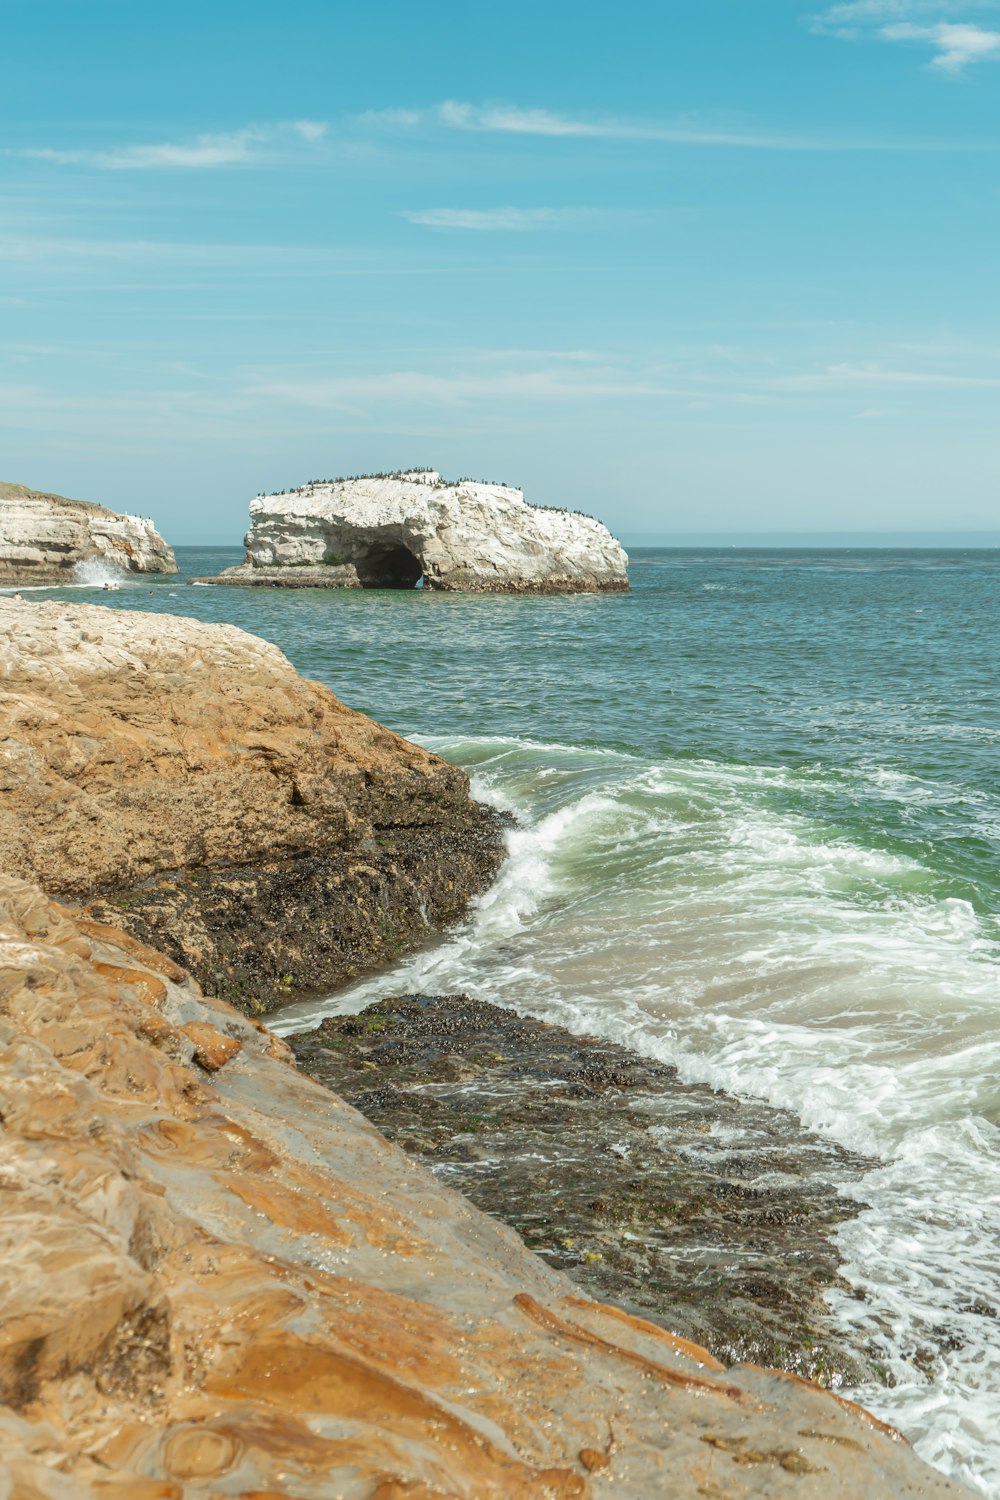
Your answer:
<point x="392" y="531"/>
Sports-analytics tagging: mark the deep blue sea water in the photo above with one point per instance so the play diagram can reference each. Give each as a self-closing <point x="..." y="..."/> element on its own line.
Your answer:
<point x="759" y="800"/>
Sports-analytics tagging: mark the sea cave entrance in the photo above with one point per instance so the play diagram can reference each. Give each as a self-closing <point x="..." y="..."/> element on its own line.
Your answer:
<point x="389" y="566"/>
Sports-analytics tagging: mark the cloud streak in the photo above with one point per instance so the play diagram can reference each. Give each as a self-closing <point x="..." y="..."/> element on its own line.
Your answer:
<point x="866" y="13"/>
<point x="956" y="43"/>
<point x="423" y="387"/>
<point x="516" y="120"/>
<point x="955" y="46"/>
<point x="520" y="220"/>
<point x="850" y="377"/>
<point x="253" y="143"/>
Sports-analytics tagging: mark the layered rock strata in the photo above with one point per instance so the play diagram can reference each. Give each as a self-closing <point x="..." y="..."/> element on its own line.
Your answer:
<point x="219" y="1280"/>
<point x="188" y="784"/>
<point x="396" y="531"/>
<point x="43" y="537"/>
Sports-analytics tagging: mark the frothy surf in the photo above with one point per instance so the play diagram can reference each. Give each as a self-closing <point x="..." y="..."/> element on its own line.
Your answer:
<point x="717" y="916"/>
<point x="92" y="573"/>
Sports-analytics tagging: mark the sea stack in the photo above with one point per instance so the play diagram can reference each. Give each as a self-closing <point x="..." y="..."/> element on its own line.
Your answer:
<point x="43" y="537"/>
<point x="398" y="530"/>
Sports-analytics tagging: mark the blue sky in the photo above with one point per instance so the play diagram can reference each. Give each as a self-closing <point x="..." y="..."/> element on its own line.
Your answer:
<point x="719" y="267"/>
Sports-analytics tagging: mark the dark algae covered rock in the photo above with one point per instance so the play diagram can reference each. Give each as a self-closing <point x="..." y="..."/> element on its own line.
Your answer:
<point x="710" y="1215"/>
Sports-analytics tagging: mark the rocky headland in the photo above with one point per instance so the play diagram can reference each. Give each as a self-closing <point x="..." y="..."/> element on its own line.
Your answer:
<point x="219" y="1280"/>
<point x="395" y="531"/>
<point x="183" y="781"/>
<point x="43" y="537"/>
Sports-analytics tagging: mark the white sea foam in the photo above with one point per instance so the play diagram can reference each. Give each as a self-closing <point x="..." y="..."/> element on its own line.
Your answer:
<point x="683" y="909"/>
<point x="91" y="573"/>
<point x="99" y="573"/>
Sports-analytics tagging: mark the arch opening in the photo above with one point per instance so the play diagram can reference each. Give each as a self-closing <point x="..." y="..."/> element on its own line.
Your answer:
<point x="389" y="566"/>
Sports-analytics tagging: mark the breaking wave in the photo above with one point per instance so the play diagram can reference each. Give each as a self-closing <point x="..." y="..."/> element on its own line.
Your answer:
<point x="723" y="918"/>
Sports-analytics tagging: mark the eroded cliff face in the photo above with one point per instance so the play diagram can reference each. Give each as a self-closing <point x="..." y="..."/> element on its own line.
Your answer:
<point x="394" y="531"/>
<point x="219" y="1280"/>
<point x="43" y="537"/>
<point x="188" y="784"/>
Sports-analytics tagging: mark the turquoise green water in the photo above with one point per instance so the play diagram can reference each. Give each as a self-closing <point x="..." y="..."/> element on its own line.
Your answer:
<point x="760" y="837"/>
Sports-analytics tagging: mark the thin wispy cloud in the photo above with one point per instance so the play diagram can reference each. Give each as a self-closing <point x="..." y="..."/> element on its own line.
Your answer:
<point x="848" y="377"/>
<point x="942" y="25"/>
<point x="428" y="388"/>
<point x="515" y="120"/>
<point x="253" y="143"/>
<point x="517" y="220"/>
<point x="861" y="14"/>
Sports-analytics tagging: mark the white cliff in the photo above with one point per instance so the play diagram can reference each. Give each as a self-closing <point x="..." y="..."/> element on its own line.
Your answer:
<point x="42" y="538"/>
<point x="392" y="531"/>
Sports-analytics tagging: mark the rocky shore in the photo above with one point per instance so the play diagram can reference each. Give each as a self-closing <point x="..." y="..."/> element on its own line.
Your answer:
<point x="219" y="1280"/>
<point x="398" y="530"/>
<point x="43" y="537"/>
<point x="183" y="782"/>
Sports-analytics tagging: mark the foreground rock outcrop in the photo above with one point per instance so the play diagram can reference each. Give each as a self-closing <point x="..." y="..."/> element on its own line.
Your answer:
<point x="219" y="1280"/>
<point x="392" y="531"/>
<point x="43" y="537"/>
<point x="188" y="784"/>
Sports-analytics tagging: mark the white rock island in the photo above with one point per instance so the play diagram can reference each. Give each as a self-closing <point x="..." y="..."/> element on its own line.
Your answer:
<point x="43" y="537"/>
<point x="394" y="531"/>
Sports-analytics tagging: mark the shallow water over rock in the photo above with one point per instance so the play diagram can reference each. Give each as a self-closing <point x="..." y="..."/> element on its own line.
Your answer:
<point x="708" y="1214"/>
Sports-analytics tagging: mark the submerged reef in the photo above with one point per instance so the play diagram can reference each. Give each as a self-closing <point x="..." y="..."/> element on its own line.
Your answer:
<point x="43" y="538"/>
<point x="184" y="782"/>
<point x="398" y="530"/>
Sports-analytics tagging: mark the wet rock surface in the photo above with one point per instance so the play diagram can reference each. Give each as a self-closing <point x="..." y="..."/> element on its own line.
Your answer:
<point x="709" y="1215"/>
<point x="254" y="934"/>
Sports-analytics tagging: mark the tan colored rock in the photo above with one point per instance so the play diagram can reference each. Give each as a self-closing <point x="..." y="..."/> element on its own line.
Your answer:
<point x="231" y="1285"/>
<point x="212" y="1050"/>
<point x="43" y="538"/>
<point x="224" y="807"/>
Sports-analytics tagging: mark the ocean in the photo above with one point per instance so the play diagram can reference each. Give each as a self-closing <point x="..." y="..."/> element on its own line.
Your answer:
<point x="758" y="806"/>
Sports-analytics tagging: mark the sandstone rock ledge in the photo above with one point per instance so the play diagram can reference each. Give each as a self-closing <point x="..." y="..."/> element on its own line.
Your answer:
<point x="183" y="780"/>
<point x="392" y="531"/>
<point x="43" y="537"/>
<point x="219" y="1280"/>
